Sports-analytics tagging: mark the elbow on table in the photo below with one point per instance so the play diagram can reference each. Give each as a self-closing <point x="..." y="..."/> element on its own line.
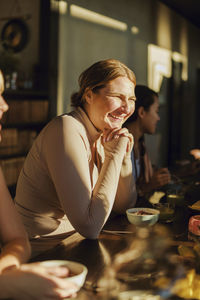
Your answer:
<point x="89" y="233"/>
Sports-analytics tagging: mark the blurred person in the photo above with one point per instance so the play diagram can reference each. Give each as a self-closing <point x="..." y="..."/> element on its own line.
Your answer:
<point x="144" y="121"/>
<point x="19" y="280"/>
<point x="79" y="168"/>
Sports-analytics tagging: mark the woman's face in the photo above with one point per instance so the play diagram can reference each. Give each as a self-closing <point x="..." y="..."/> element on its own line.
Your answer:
<point x="112" y="105"/>
<point x="151" y="117"/>
<point x="3" y="104"/>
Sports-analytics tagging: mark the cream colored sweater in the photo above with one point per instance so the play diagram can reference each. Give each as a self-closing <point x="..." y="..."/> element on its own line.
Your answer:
<point x="71" y="182"/>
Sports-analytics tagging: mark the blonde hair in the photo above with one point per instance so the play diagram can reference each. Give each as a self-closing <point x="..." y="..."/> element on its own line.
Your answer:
<point x="98" y="75"/>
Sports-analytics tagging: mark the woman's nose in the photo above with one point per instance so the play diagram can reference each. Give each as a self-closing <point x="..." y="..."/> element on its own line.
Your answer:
<point x="126" y="107"/>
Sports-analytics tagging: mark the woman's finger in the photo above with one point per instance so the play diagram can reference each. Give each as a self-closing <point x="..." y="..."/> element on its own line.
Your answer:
<point x="112" y="134"/>
<point x="108" y="135"/>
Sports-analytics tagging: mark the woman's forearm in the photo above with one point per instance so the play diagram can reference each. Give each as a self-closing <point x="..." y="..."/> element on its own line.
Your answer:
<point x="126" y="194"/>
<point x="14" y="253"/>
<point x="103" y="194"/>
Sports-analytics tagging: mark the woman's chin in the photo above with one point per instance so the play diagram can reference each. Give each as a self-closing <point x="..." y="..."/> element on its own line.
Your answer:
<point x="113" y="125"/>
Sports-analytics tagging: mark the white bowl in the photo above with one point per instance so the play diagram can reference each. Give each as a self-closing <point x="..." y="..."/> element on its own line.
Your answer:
<point x="76" y="268"/>
<point x="142" y="220"/>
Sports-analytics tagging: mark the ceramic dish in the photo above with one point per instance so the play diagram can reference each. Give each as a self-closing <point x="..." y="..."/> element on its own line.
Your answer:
<point x="78" y="270"/>
<point x="142" y="216"/>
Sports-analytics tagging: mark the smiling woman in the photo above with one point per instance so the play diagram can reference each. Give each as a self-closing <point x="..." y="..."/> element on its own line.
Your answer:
<point x="79" y="168"/>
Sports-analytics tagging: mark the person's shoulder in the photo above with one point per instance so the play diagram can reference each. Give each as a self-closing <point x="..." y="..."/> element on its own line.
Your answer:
<point x="64" y="119"/>
<point x="66" y="123"/>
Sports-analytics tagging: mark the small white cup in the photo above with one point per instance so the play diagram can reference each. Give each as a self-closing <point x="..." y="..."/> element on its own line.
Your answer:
<point x="76" y="268"/>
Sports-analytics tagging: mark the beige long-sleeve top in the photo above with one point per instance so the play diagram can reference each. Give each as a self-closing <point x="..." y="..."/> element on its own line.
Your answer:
<point x="70" y="181"/>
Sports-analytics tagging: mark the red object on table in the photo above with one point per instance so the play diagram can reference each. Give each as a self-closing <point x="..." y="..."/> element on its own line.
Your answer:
<point x="194" y="225"/>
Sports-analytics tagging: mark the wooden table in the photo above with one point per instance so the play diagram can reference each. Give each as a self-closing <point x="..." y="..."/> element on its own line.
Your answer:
<point x="98" y="255"/>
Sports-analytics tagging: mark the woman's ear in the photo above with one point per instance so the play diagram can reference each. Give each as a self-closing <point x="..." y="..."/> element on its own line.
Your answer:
<point x="141" y="112"/>
<point x="88" y="95"/>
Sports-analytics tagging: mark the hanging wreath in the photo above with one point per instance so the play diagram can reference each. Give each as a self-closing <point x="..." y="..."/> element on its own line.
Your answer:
<point x="15" y="35"/>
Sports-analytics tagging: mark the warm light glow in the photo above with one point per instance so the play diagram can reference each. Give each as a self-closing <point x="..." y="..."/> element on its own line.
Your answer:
<point x="134" y="30"/>
<point x="163" y="27"/>
<point x="183" y="59"/>
<point x="90" y="16"/>
<point x="184" y="48"/>
<point x="184" y="38"/>
<point x="59" y="6"/>
<point x="159" y="65"/>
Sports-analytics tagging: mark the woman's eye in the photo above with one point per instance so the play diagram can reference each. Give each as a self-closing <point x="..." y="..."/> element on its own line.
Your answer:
<point x="113" y="96"/>
<point x="117" y="97"/>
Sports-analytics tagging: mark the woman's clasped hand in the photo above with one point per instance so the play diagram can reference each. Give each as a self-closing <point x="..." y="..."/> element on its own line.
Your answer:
<point x="116" y="133"/>
<point x="33" y="281"/>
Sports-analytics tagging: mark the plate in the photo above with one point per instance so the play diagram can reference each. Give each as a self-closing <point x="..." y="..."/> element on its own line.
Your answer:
<point x="195" y="206"/>
<point x="194" y="209"/>
<point x="138" y="295"/>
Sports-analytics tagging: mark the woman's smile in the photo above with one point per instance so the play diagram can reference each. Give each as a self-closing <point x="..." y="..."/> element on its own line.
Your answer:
<point x="116" y="117"/>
